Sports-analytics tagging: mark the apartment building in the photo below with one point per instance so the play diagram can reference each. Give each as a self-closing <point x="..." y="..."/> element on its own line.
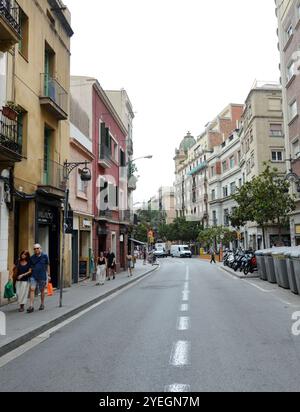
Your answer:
<point x="262" y="140"/>
<point x="191" y="182"/>
<point x="288" y="14"/>
<point x="35" y="71"/>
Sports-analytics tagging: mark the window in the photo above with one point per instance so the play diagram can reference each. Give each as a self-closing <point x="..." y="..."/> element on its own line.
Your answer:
<point x="275" y="105"/>
<point x="289" y="31"/>
<point x="116" y="151"/>
<point x="24" y="28"/>
<point x="232" y="162"/>
<point x="214" y="218"/>
<point x="232" y="188"/>
<point x="213" y="195"/>
<point x="240" y="183"/>
<point x="212" y="171"/>
<point x="248" y="167"/>
<point x="290" y="71"/>
<point x="225" y="191"/>
<point x="293" y="110"/>
<point x="226" y="217"/>
<point x="276" y="130"/>
<point x="277" y="156"/>
<point x="252" y="160"/>
<point x="296" y="148"/>
<point x="224" y="166"/>
<point x="122" y="158"/>
<point x="22" y="132"/>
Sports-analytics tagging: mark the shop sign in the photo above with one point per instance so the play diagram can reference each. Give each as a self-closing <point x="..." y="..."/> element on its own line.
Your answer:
<point x="45" y="217"/>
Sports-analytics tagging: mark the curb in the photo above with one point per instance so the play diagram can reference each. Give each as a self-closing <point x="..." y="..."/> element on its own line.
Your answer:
<point x="233" y="273"/>
<point x="4" y="350"/>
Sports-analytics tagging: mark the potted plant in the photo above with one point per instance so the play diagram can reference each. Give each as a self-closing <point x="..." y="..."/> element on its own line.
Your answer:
<point x="11" y="110"/>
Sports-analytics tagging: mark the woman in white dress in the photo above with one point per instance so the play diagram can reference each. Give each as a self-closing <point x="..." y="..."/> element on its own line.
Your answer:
<point x="101" y="269"/>
<point x="21" y="274"/>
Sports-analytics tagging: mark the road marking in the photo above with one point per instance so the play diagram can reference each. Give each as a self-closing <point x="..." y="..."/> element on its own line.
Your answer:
<point x="180" y="355"/>
<point x="186" y="286"/>
<point x="184" y="307"/>
<point x="9" y="357"/>
<point x="178" y="387"/>
<point x="187" y="275"/>
<point x="183" y="323"/>
<point x="185" y="295"/>
<point x="259" y="288"/>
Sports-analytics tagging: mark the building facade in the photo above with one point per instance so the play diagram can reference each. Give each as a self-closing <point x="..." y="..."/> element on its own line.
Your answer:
<point x="81" y="195"/>
<point x="262" y="140"/>
<point x="36" y="73"/>
<point x="109" y="137"/>
<point x="288" y="14"/>
<point x="191" y="167"/>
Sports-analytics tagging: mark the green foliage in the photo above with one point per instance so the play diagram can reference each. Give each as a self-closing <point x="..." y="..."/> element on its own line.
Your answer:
<point x="180" y="230"/>
<point x="264" y="200"/>
<point x="215" y="235"/>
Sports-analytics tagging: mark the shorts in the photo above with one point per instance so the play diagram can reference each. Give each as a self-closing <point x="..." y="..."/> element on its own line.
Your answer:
<point x="40" y="284"/>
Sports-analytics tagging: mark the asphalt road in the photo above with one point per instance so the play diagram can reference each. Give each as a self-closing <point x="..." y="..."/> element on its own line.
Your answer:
<point x="187" y="327"/>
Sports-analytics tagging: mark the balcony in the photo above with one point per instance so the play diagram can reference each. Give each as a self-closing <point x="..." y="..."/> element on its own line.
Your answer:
<point x="10" y="32"/>
<point x="54" y="98"/>
<point x="52" y="178"/>
<point x="10" y="147"/>
<point x="130" y="147"/>
<point x="126" y="216"/>
<point x="104" y="157"/>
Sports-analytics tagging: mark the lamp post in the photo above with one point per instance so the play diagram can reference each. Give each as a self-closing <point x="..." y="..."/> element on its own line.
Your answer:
<point x="85" y="177"/>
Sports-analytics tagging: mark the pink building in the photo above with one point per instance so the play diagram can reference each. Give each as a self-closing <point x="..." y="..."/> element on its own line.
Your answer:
<point x="109" y="136"/>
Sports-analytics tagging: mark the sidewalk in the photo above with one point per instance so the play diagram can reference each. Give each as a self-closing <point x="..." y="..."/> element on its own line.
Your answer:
<point x="238" y="274"/>
<point x="22" y="327"/>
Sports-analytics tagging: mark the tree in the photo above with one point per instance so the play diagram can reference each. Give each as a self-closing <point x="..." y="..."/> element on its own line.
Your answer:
<point x="216" y="235"/>
<point x="180" y="230"/>
<point x="264" y="200"/>
<point x="140" y="233"/>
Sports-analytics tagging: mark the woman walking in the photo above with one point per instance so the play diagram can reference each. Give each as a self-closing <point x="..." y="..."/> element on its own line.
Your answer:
<point x="101" y="269"/>
<point x="130" y="265"/>
<point x="21" y="274"/>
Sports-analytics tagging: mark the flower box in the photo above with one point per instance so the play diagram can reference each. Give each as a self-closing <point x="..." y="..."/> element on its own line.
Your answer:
<point x="9" y="113"/>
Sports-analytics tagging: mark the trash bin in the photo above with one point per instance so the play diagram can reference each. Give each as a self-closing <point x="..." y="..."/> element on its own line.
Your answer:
<point x="269" y="263"/>
<point x="281" y="271"/>
<point x="295" y="258"/>
<point x="261" y="265"/>
<point x="291" y="271"/>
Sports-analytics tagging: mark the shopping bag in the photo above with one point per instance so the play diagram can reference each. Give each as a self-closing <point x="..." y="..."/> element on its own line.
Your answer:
<point x="9" y="290"/>
<point x="50" y="289"/>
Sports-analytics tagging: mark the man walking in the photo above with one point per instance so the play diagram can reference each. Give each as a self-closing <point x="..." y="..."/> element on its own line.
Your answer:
<point x="40" y="266"/>
<point x="111" y="264"/>
<point x="213" y="256"/>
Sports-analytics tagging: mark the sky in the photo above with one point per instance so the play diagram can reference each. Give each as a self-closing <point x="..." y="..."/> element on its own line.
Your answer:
<point x="180" y="61"/>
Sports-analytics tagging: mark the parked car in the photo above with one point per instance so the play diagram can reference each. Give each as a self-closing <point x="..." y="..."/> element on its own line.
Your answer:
<point x="182" y="251"/>
<point x="160" y="250"/>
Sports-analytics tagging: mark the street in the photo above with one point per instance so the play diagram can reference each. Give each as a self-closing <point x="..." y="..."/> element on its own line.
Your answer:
<point x="189" y="326"/>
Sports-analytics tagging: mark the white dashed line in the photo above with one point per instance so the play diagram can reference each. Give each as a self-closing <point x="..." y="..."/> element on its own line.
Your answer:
<point x="180" y="355"/>
<point x="186" y="286"/>
<point x="183" y="323"/>
<point x="187" y="276"/>
<point x="178" y="387"/>
<point x="184" y="307"/>
<point x="185" y="295"/>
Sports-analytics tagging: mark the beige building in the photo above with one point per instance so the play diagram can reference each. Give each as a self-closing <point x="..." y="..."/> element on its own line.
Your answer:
<point x="288" y="13"/>
<point x="262" y="140"/>
<point x="36" y="75"/>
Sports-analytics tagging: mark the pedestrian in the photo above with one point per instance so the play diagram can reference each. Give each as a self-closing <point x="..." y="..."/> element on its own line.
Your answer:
<point x="130" y="264"/>
<point x="21" y="273"/>
<point x="213" y="256"/>
<point x="111" y="262"/>
<point x="40" y="266"/>
<point x="145" y="256"/>
<point x="101" y="269"/>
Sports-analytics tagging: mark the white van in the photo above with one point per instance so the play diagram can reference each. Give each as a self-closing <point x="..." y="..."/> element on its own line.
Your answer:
<point x="181" y="251"/>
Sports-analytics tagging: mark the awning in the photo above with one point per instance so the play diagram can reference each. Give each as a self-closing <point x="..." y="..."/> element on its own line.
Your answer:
<point x="138" y="242"/>
<point x="197" y="169"/>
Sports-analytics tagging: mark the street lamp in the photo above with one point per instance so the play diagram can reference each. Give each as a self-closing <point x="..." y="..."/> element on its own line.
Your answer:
<point x="86" y="176"/>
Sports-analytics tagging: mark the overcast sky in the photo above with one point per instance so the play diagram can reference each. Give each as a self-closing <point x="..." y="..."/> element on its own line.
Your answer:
<point x="181" y="62"/>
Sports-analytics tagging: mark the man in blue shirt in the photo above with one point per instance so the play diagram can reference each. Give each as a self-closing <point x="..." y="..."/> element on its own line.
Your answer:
<point x="40" y="266"/>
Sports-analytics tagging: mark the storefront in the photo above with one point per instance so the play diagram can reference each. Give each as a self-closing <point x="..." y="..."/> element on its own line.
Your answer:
<point x="81" y="248"/>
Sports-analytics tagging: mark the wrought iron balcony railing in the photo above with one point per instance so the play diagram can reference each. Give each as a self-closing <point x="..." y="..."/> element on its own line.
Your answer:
<point x="10" y="11"/>
<point x="52" y="174"/>
<point x="54" y="96"/>
<point x="9" y="136"/>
